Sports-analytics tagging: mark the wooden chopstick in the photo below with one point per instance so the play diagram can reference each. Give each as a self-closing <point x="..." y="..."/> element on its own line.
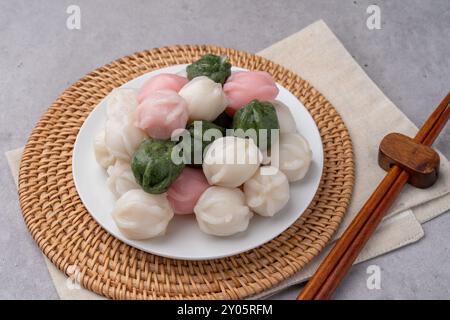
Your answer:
<point x="351" y="253"/>
<point x="434" y="124"/>
<point x="333" y="268"/>
<point x="375" y="218"/>
<point x="437" y="128"/>
<point x="330" y="263"/>
<point x="332" y="259"/>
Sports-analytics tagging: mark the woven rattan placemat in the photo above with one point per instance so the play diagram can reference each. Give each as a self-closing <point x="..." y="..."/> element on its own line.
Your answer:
<point x="69" y="236"/>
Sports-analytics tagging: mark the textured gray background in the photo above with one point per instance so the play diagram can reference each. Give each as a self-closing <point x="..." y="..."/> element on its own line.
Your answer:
<point x="39" y="57"/>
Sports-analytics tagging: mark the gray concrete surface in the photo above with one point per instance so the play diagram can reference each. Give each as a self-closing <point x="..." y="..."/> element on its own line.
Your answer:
<point x="39" y="57"/>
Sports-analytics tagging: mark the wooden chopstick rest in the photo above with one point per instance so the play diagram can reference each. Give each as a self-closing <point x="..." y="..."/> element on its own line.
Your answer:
<point x="420" y="161"/>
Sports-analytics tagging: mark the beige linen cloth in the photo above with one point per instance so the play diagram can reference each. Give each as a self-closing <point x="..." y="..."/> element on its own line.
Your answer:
<point x="319" y="57"/>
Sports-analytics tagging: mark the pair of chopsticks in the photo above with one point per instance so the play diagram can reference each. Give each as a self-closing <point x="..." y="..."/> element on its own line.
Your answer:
<point x="334" y="267"/>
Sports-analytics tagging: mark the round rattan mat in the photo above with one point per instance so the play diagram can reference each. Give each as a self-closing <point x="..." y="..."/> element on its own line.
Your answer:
<point x="70" y="237"/>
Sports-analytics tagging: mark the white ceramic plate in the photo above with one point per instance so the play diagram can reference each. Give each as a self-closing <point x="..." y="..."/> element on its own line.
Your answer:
<point x="183" y="239"/>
